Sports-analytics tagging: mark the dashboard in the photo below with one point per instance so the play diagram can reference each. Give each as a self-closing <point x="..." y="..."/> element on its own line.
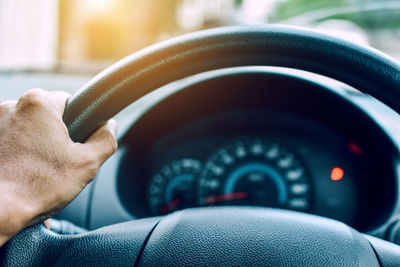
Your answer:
<point x="251" y="136"/>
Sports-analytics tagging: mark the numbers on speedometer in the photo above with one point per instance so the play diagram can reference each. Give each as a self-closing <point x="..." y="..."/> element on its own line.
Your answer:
<point x="255" y="172"/>
<point x="172" y="186"/>
<point x="244" y="171"/>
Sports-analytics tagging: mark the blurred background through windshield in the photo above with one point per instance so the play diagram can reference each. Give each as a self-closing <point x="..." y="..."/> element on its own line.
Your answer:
<point x="85" y="36"/>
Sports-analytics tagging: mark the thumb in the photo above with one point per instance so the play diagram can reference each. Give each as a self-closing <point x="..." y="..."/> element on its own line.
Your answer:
<point x="102" y="144"/>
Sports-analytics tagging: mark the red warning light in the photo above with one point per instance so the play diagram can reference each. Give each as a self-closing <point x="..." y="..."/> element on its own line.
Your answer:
<point x="354" y="148"/>
<point x="337" y="174"/>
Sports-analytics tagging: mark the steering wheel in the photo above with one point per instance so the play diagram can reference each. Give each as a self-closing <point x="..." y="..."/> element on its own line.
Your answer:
<point x="223" y="235"/>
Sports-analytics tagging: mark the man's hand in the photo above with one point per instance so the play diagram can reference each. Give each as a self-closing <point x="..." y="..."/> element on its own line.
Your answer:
<point x="41" y="168"/>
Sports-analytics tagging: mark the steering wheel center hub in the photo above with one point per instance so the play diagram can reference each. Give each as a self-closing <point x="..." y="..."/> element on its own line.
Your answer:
<point x="227" y="236"/>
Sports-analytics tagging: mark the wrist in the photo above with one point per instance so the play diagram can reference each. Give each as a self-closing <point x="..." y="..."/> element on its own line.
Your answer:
<point x="15" y="215"/>
<point x="3" y="239"/>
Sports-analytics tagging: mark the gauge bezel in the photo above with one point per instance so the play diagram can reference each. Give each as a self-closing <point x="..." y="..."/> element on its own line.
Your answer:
<point x="263" y="152"/>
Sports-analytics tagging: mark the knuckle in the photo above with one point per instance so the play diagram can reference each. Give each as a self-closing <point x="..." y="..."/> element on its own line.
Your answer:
<point x="86" y="160"/>
<point x="9" y="104"/>
<point x="91" y="162"/>
<point x="88" y="164"/>
<point x="32" y="98"/>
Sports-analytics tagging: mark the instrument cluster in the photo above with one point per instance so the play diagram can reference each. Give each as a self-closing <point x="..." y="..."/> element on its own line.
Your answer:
<point x="257" y="158"/>
<point x="251" y="171"/>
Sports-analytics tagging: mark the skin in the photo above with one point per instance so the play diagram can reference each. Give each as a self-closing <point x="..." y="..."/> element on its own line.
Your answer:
<point x="41" y="168"/>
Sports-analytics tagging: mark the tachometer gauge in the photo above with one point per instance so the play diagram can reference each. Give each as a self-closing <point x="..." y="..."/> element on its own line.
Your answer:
<point x="172" y="186"/>
<point x="255" y="172"/>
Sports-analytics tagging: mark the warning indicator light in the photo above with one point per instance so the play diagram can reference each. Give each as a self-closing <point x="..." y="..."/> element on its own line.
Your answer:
<point x="354" y="148"/>
<point x="337" y="174"/>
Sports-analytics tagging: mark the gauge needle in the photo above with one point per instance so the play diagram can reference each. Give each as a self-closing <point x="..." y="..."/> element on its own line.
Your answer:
<point x="226" y="197"/>
<point x="175" y="202"/>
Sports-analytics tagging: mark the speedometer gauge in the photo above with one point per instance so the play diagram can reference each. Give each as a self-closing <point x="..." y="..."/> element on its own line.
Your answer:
<point x="257" y="172"/>
<point x="172" y="186"/>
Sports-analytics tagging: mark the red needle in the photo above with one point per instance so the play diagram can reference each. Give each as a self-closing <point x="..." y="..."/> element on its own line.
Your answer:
<point x="175" y="202"/>
<point x="226" y="197"/>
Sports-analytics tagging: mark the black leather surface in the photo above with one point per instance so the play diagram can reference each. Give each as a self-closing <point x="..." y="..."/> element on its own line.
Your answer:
<point x="387" y="253"/>
<point x="254" y="237"/>
<point x="116" y="245"/>
<point x="142" y="72"/>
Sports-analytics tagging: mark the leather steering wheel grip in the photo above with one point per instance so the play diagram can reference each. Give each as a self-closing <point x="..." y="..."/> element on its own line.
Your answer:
<point x="146" y="70"/>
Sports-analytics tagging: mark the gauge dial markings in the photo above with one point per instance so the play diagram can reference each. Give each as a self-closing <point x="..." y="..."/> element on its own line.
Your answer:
<point x="173" y="185"/>
<point x="267" y="172"/>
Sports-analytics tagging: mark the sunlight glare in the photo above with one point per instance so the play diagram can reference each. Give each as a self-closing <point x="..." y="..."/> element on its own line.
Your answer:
<point x="99" y="6"/>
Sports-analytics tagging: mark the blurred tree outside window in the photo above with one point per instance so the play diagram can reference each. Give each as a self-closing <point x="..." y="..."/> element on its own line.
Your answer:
<point x="85" y="36"/>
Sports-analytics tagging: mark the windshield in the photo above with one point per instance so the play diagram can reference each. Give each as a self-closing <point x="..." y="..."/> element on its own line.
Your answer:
<point x="85" y="36"/>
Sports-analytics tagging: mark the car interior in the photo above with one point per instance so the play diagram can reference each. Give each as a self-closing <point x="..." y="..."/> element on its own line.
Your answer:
<point x="240" y="143"/>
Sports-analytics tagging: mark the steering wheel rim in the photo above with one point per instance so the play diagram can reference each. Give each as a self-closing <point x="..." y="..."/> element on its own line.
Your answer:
<point x="126" y="81"/>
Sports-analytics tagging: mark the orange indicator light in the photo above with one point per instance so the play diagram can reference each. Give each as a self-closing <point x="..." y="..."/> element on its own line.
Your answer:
<point x="337" y="174"/>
